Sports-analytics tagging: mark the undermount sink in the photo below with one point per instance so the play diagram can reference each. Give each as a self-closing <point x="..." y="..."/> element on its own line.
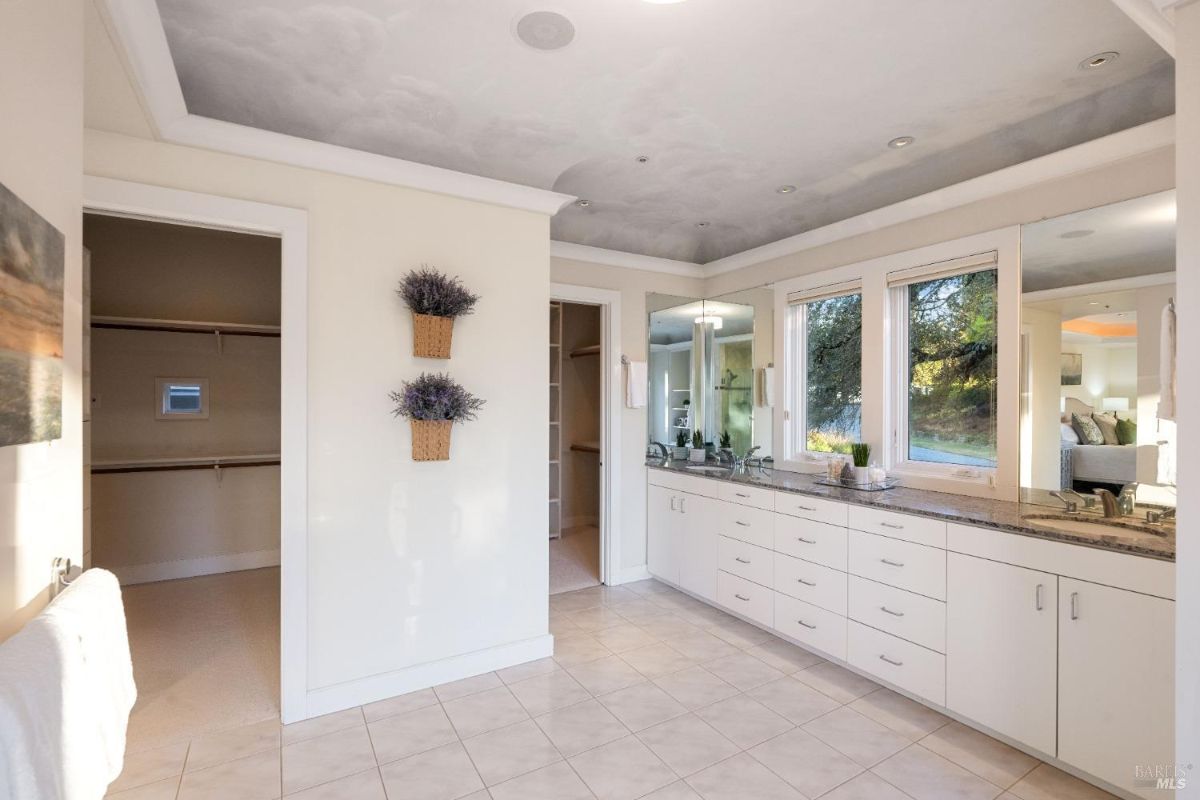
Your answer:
<point x="703" y="470"/>
<point x="1118" y="527"/>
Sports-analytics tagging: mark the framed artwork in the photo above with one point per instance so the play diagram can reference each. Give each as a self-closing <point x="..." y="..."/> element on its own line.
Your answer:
<point x="1072" y="369"/>
<point x="32" y="253"/>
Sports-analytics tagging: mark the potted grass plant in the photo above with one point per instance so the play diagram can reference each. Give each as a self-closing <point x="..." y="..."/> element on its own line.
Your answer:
<point x="681" y="446"/>
<point x="435" y="299"/>
<point x="698" y="453"/>
<point x="860" y="452"/>
<point x="433" y="403"/>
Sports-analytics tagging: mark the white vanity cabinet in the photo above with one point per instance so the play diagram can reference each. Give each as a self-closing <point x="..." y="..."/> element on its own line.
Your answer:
<point x="1002" y="641"/>
<point x="662" y="533"/>
<point x="1116" y="698"/>
<point x="681" y="542"/>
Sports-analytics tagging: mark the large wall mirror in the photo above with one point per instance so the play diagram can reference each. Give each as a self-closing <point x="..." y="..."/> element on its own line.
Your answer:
<point x="710" y="370"/>
<point x="1097" y="401"/>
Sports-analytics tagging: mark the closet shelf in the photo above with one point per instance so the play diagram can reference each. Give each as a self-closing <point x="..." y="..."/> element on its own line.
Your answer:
<point x="590" y="350"/>
<point x="586" y="447"/>
<point x="170" y="464"/>
<point x="183" y="326"/>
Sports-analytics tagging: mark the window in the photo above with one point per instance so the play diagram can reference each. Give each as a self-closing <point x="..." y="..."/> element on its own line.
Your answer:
<point x="946" y="409"/>
<point x="827" y="396"/>
<point x="181" y="398"/>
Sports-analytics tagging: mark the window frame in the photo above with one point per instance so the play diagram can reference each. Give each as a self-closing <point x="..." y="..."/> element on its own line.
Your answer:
<point x="899" y="386"/>
<point x="161" y="387"/>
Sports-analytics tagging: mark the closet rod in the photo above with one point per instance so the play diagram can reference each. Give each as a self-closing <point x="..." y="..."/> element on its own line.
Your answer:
<point x="184" y="326"/>
<point x="113" y="470"/>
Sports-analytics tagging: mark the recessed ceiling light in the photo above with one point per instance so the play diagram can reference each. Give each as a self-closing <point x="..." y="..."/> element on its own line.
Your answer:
<point x="786" y="189"/>
<point x="900" y="142"/>
<point x="582" y="203"/>
<point x="1099" y="60"/>
<point x="545" y="30"/>
<point x="642" y="159"/>
<point x="1094" y="303"/>
<point x="701" y="224"/>
<point x="1079" y="234"/>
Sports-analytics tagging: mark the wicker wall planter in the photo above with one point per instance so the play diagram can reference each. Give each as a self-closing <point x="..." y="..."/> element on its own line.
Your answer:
<point x="432" y="336"/>
<point x="431" y="439"/>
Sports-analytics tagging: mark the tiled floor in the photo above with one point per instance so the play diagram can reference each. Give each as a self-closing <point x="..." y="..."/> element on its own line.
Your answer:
<point x="651" y="694"/>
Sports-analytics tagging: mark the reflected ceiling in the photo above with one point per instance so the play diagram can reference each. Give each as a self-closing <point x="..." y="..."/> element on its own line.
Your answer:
<point x="726" y="101"/>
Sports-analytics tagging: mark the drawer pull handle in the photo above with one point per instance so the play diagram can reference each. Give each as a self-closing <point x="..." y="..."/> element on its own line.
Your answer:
<point x="674" y="500"/>
<point x="805" y="508"/>
<point x="743" y="524"/>
<point x="891" y="563"/>
<point x="743" y="599"/>
<point x="887" y="610"/>
<point x="739" y="494"/>
<point x="890" y="661"/>
<point x="805" y="624"/>
<point x="1074" y="605"/>
<point x="806" y="541"/>
<point x="1037" y="598"/>
<point x="891" y="525"/>
<point x="682" y="510"/>
<point x="740" y="560"/>
<point x="806" y="583"/>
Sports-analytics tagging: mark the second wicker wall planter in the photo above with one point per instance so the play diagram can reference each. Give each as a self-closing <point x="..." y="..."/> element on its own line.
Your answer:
<point x="433" y="403"/>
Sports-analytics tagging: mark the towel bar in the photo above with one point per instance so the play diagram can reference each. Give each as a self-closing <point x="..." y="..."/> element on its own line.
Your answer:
<point x="60" y="575"/>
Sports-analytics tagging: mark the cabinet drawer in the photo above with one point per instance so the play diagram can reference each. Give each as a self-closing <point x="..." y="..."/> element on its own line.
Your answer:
<point x="904" y="565"/>
<point x="743" y="597"/>
<point x="691" y="484"/>
<point x="811" y="625"/>
<point x="922" y="530"/>
<point x="910" y="616"/>
<point x="745" y="495"/>
<point x="812" y="541"/>
<point x="812" y="583"/>
<point x="753" y="525"/>
<point x="746" y="560"/>
<point x="909" y="666"/>
<point x="815" y="508"/>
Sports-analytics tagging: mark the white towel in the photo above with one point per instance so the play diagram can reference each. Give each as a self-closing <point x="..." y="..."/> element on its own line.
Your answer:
<point x="635" y="384"/>
<point x="66" y="690"/>
<point x="1166" y="364"/>
<point x="766" y="387"/>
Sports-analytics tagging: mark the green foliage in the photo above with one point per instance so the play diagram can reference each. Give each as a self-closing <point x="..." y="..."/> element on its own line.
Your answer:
<point x="834" y="371"/>
<point x="681" y="439"/>
<point x="828" y="442"/>
<point x="861" y="453"/>
<point x="726" y="439"/>
<point x="697" y="440"/>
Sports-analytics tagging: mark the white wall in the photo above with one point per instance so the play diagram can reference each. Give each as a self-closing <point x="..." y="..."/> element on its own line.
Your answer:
<point x="41" y="104"/>
<point x="1044" y="329"/>
<point x="1108" y="371"/>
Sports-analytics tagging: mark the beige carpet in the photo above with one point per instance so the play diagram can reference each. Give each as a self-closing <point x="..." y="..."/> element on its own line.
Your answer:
<point x="575" y="559"/>
<point x="205" y="654"/>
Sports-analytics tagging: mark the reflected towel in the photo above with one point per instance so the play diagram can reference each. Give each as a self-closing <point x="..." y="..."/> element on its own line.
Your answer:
<point x="766" y="387"/>
<point x="636" y="387"/>
<point x="1166" y="364"/>
<point x="66" y="690"/>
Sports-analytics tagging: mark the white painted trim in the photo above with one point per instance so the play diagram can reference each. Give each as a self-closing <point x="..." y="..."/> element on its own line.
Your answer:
<point x="191" y="567"/>
<point x="617" y="258"/>
<point x="634" y="574"/>
<point x="1103" y="287"/>
<point x="337" y="697"/>
<point x="110" y="196"/>
<point x="1083" y="157"/>
<point x="137" y="29"/>
<point x="1155" y="17"/>
<point x="611" y="384"/>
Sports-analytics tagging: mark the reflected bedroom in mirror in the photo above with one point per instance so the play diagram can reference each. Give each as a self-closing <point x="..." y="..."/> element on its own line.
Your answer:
<point x="710" y="377"/>
<point x="1098" y="367"/>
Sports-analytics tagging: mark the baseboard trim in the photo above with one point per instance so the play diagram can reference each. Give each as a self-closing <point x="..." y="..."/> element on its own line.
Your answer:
<point x="580" y="520"/>
<point x="192" y="567"/>
<point x="389" y="684"/>
<point x="632" y="574"/>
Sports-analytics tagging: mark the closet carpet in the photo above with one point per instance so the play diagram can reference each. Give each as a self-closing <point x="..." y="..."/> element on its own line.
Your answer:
<point x="575" y="559"/>
<point x="205" y="654"/>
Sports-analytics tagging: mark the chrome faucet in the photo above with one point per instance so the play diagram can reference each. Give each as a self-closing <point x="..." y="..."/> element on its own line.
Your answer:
<point x="1072" y="506"/>
<point x="1108" y="501"/>
<point x="1158" y="517"/>
<point x="666" y="454"/>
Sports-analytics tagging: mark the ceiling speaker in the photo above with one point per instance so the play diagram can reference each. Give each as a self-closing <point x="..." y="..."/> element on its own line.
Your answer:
<point x="545" y="30"/>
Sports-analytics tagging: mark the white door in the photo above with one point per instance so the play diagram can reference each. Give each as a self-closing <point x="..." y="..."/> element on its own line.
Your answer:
<point x="1002" y="648"/>
<point x="697" y="543"/>
<point x="1116" y="687"/>
<point x="662" y="526"/>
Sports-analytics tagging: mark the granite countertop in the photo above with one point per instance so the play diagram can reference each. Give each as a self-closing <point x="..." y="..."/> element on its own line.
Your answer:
<point x="1002" y="515"/>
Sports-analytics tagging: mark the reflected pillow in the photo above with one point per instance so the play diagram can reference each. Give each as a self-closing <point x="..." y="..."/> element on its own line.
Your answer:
<point x="1108" y="426"/>
<point x="1126" y="431"/>
<point x="1088" y="430"/>
<point x="1068" y="434"/>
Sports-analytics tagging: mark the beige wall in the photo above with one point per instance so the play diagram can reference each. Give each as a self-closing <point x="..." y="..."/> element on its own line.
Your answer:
<point x="581" y="416"/>
<point x="41" y="104"/>
<point x="1040" y="430"/>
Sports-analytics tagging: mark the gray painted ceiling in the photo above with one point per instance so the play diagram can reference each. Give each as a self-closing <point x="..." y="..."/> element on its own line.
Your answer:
<point x="728" y="100"/>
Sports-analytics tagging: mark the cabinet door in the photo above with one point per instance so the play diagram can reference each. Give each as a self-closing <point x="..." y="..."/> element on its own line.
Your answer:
<point x="662" y="526"/>
<point x="1001" y="648"/>
<point x="696" y="539"/>
<point x="1116" y="687"/>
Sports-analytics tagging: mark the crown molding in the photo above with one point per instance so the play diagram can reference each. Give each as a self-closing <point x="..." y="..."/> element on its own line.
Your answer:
<point x="137" y="30"/>
<point x="1080" y="158"/>
<point x="618" y="258"/>
<point x="1155" y="17"/>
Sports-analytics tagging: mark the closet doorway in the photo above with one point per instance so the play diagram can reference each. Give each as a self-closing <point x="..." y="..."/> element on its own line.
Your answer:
<point x="584" y="376"/>
<point x="183" y="448"/>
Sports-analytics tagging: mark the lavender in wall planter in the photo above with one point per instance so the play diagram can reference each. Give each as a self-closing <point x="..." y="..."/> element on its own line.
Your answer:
<point x="433" y="403"/>
<point x="435" y="300"/>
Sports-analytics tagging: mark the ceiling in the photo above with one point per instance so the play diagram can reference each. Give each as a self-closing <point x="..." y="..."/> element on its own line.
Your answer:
<point x="1122" y="240"/>
<point x="727" y="101"/>
<point x="677" y="324"/>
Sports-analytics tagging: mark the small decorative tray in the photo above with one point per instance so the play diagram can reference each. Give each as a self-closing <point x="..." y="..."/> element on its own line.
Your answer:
<point x="879" y="486"/>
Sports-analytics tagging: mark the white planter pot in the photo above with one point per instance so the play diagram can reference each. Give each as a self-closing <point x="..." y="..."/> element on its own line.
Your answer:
<point x="698" y="455"/>
<point x="862" y="475"/>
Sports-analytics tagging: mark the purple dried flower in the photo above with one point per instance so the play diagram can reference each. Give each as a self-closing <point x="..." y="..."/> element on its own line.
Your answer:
<point x="427" y="291"/>
<point x="435" y="397"/>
